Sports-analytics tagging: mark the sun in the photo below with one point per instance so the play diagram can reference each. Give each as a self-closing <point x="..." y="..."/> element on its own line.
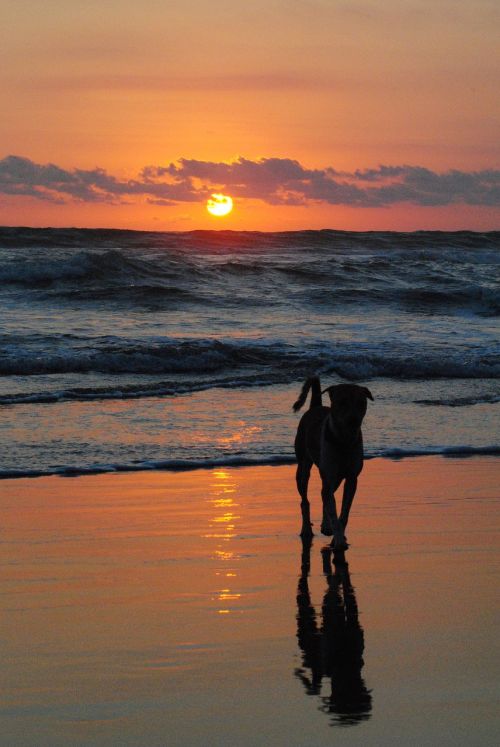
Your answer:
<point x="219" y="205"/>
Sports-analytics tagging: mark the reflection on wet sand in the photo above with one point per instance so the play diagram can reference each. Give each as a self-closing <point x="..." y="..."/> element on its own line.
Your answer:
<point x="334" y="647"/>
<point x="222" y="525"/>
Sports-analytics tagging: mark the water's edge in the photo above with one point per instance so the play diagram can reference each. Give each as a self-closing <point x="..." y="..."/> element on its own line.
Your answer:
<point x="186" y="465"/>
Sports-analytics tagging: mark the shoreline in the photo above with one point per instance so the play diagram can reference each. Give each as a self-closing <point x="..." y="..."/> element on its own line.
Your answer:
<point x="237" y="462"/>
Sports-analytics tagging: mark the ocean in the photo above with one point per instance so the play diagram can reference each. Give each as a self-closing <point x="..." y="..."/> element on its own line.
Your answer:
<point x="129" y="350"/>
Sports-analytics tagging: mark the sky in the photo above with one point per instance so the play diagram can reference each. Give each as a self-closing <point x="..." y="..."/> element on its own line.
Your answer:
<point x="309" y="113"/>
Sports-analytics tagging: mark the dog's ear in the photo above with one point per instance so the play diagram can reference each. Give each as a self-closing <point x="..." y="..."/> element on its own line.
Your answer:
<point x="368" y="393"/>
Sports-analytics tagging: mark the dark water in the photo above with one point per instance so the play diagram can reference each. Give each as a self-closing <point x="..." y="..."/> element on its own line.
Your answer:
<point x="135" y="332"/>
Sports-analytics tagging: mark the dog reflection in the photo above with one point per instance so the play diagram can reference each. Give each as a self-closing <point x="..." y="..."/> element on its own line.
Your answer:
<point x="333" y="648"/>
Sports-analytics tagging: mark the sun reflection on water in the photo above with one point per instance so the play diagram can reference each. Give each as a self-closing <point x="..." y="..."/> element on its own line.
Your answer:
<point x="242" y="434"/>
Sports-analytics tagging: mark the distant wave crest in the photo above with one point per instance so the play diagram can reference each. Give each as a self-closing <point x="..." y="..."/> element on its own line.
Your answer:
<point x="427" y="271"/>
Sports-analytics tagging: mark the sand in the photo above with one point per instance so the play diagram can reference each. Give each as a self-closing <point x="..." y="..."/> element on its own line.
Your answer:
<point x="182" y="609"/>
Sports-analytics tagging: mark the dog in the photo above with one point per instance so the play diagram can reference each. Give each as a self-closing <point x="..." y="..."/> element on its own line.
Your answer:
<point x="330" y="438"/>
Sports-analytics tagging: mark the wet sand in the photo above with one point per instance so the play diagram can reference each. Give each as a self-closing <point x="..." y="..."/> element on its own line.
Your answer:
<point x="182" y="609"/>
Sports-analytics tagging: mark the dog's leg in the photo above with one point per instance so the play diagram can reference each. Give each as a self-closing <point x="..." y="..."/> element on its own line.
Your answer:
<point x="339" y="542"/>
<point x="350" y="486"/>
<point x="327" y="520"/>
<point x="303" y="472"/>
<point x="330" y="522"/>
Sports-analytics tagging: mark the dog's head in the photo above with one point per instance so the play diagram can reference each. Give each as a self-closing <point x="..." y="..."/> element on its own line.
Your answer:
<point x="348" y="405"/>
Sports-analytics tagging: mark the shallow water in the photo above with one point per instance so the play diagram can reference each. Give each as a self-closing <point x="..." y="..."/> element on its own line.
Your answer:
<point x="182" y="609"/>
<point x="237" y="426"/>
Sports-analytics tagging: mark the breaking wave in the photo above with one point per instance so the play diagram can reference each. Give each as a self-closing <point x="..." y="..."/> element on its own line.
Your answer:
<point x="234" y="363"/>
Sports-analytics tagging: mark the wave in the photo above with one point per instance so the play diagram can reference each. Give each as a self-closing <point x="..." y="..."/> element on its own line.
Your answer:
<point x="445" y="451"/>
<point x="472" y="298"/>
<point x="121" y="356"/>
<point x="273" y="361"/>
<point x="480" y="399"/>
<point x="184" y="465"/>
<point x="91" y="265"/>
<point x="24" y="236"/>
<point x="424" y="270"/>
<point x="135" y="391"/>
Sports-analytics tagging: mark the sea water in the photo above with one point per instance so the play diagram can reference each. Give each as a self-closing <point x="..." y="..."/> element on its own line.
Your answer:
<point x="124" y="350"/>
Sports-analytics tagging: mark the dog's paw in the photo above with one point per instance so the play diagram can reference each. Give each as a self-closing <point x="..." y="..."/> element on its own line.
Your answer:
<point x="339" y="543"/>
<point x="326" y="529"/>
<point x="307" y="532"/>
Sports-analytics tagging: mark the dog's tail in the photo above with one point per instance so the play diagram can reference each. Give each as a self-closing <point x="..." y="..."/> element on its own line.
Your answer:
<point x="315" y="386"/>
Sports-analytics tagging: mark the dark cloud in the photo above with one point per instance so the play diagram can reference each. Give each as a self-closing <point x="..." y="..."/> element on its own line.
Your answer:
<point x="277" y="181"/>
<point x="20" y="176"/>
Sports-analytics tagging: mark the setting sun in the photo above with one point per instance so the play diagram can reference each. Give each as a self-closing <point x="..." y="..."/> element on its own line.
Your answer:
<point x="219" y="205"/>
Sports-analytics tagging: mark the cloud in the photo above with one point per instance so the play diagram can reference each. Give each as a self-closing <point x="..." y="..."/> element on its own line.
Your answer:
<point x="276" y="181"/>
<point x="20" y="176"/>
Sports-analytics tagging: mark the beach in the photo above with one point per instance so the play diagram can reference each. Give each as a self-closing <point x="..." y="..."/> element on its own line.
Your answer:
<point x="160" y="608"/>
<point x="238" y="240"/>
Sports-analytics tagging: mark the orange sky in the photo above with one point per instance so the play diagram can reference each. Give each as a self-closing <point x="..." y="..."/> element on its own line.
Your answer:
<point x="333" y="85"/>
